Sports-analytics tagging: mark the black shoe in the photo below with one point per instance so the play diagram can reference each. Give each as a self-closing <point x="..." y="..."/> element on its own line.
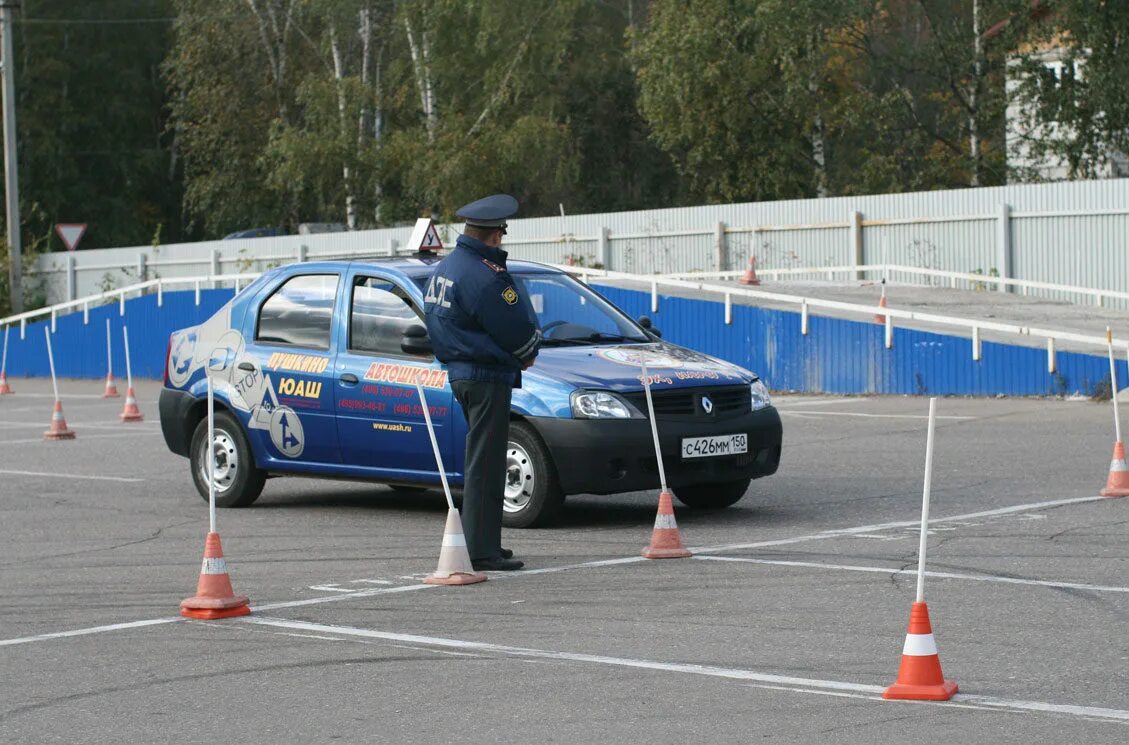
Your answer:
<point x="507" y="554"/>
<point x="497" y="565"/>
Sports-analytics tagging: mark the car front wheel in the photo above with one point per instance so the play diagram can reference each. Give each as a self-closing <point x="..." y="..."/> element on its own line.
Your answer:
<point x="712" y="496"/>
<point x="533" y="495"/>
<point x="238" y="481"/>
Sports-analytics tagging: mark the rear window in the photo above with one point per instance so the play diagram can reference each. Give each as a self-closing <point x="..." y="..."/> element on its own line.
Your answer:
<point x="300" y="312"/>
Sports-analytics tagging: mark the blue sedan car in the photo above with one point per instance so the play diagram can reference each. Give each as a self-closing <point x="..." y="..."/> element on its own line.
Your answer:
<point x="314" y="368"/>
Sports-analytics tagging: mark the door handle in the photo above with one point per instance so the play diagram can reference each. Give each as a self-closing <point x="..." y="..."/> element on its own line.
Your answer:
<point x="246" y="367"/>
<point x="349" y="379"/>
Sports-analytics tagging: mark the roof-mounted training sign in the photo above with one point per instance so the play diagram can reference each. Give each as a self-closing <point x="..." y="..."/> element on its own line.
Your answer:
<point x="425" y="238"/>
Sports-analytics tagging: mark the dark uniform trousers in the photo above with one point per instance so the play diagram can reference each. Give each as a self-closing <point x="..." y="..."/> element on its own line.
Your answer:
<point x="486" y="407"/>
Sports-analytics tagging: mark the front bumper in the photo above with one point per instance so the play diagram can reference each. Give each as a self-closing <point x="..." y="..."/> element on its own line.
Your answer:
<point x="608" y="456"/>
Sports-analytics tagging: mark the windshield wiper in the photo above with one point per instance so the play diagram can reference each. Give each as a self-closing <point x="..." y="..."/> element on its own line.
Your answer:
<point x="601" y="336"/>
<point x="556" y="342"/>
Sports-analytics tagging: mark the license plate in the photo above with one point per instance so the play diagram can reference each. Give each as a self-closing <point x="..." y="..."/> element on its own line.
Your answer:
<point x="717" y="445"/>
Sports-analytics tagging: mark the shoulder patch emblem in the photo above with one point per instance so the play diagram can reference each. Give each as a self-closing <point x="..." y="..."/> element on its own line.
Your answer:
<point x="509" y="295"/>
<point x="492" y="265"/>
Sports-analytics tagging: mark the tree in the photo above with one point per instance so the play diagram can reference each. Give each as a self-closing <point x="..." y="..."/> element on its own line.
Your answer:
<point x="1078" y="110"/>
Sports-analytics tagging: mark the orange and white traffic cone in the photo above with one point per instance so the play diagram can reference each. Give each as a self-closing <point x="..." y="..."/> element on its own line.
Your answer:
<point x="1118" y="483"/>
<point x="920" y="677"/>
<point x="214" y="596"/>
<point x="666" y="542"/>
<point x="750" y="275"/>
<point x="880" y="318"/>
<point x="454" y="559"/>
<point x="131" y="413"/>
<point x="5" y="389"/>
<point x="59" y="429"/>
<point x="111" y="387"/>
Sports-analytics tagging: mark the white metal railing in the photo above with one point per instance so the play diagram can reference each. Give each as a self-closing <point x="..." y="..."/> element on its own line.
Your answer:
<point x="120" y="294"/>
<point x="974" y="326"/>
<point x="972" y="278"/>
<point x="804" y="303"/>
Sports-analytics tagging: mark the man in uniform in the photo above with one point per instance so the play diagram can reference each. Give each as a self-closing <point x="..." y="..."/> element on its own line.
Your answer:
<point x="482" y="329"/>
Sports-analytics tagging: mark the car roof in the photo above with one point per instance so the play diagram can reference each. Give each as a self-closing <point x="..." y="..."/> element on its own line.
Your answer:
<point x="422" y="265"/>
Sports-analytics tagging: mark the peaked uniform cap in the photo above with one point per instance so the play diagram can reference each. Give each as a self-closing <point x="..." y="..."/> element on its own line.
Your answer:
<point x="489" y="212"/>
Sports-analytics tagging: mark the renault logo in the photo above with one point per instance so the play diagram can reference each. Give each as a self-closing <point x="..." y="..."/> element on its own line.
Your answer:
<point x="707" y="405"/>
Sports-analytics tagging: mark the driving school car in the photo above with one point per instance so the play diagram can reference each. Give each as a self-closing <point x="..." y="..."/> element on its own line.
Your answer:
<point x="314" y="369"/>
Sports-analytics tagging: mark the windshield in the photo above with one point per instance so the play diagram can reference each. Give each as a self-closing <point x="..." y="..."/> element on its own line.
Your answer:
<point x="569" y="313"/>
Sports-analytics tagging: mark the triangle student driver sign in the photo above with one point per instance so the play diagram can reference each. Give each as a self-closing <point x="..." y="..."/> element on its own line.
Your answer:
<point x="70" y="233"/>
<point x="424" y="236"/>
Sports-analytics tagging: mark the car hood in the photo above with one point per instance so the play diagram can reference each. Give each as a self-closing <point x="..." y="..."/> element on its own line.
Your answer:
<point x="617" y="367"/>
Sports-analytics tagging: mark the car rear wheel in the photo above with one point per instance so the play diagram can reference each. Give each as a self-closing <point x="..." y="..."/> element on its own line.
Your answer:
<point x="238" y="481"/>
<point x="533" y="495"/>
<point x="712" y="496"/>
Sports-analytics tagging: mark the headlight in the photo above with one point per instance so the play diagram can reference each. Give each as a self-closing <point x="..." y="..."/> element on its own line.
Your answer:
<point x="599" y="405"/>
<point x="759" y="392"/>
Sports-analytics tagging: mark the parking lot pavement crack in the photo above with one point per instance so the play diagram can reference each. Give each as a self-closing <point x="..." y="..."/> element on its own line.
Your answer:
<point x="152" y="537"/>
<point x="211" y="675"/>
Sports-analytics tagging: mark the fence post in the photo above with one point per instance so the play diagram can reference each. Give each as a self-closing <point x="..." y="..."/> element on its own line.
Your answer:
<point x="720" y="260"/>
<point x="1003" y="244"/>
<point x="854" y="219"/>
<point x="215" y="267"/>
<point x="303" y="253"/>
<point x="71" y="278"/>
<point x="393" y="244"/>
<point x="604" y="249"/>
<point x="142" y="267"/>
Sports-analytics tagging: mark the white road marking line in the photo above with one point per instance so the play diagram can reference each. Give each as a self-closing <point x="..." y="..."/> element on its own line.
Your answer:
<point x="843" y="532"/>
<point x="32" y="440"/>
<point x="90" y="630"/>
<point x="52" y="395"/>
<point x="328" y="588"/>
<point x="372" y="581"/>
<point x="584" y="565"/>
<point x="871" y="416"/>
<point x="343" y="596"/>
<point x="939" y="575"/>
<point x="841" y="694"/>
<point x="819" y="402"/>
<point x="84" y="425"/>
<point x="803" y="684"/>
<point x="70" y="476"/>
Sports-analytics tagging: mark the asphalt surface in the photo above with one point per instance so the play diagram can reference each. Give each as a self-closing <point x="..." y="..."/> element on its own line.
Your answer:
<point x="783" y="628"/>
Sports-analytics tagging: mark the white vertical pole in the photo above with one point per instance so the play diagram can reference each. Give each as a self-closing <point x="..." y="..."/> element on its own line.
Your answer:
<point x="925" y="500"/>
<point x="654" y="297"/>
<point x="889" y="331"/>
<point x="1113" y="383"/>
<point x="85" y="314"/>
<point x="51" y="361"/>
<point x="128" y="371"/>
<point x="4" y="360"/>
<point x="52" y="320"/>
<point x="434" y="442"/>
<point x="197" y="292"/>
<point x="976" y="344"/>
<point x="109" y="354"/>
<point x="211" y="455"/>
<point x="804" y="317"/>
<point x="654" y="424"/>
<point x="121" y="304"/>
<point x="728" y="308"/>
<point x="1052" y="363"/>
<point x="160" y="292"/>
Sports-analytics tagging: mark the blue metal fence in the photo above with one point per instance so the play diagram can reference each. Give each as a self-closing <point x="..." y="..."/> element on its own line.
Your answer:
<point x="837" y="356"/>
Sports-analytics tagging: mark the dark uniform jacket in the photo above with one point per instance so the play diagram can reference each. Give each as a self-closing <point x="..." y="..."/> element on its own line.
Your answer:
<point x="479" y="325"/>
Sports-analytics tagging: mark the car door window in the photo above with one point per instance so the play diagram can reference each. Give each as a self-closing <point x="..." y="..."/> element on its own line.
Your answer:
<point x="300" y="312"/>
<point x="380" y="313"/>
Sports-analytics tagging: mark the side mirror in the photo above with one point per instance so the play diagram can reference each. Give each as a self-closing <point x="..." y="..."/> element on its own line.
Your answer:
<point x="416" y="340"/>
<point x="645" y="322"/>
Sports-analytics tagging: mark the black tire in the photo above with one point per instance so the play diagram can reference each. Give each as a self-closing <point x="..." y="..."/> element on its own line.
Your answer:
<point x="240" y="486"/>
<point x="712" y="496"/>
<point x="528" y="462"/>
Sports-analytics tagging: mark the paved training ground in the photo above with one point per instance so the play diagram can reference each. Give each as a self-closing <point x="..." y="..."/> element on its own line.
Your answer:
<point x="783" y="628"/>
